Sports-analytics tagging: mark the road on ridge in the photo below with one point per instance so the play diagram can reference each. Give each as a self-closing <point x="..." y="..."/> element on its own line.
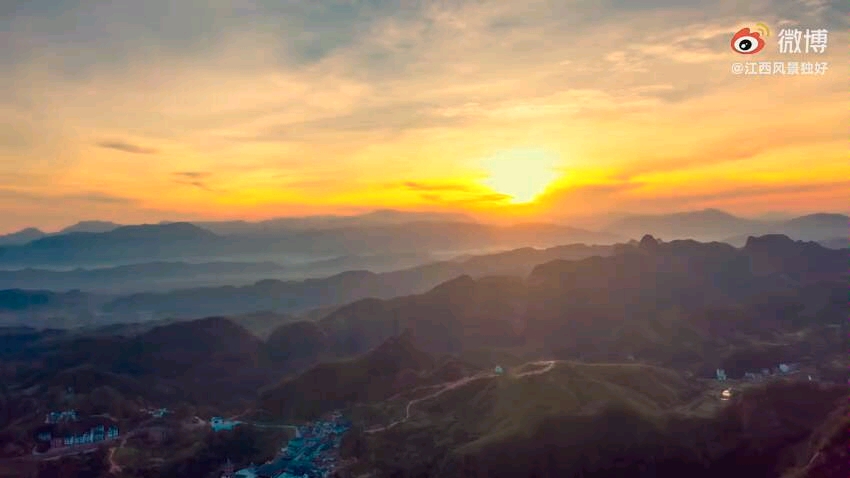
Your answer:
<point x="547" y="365"/>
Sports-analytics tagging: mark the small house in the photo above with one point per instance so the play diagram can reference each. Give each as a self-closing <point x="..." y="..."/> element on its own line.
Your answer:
<point x="219" y="424"/>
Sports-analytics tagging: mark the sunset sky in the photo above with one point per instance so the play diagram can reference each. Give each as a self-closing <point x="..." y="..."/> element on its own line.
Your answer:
<point x="139" y="111"/>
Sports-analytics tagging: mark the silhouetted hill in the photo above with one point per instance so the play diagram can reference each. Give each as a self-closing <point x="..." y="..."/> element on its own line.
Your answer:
<point x="680" y="304"/>
<point x="462" y="313"/>
<point x="177" y="241"/>
<point x="287" y="224"/>
<point x="600" y="421"/>
<point x="333" y="385"/>
<point x="708" y="224"/>
<point x="797" y="260"/>
<point x="712" y="224"/>
<point x="21" y="237"/>
<point x="264" y="323"/>
<point x="15" y="341"/>
<point x="274" y="295"/>
<point x="121" y="244"/>
<point x="296" y="345"/>
<point x="90" y="226"/>
<point x="816" y="227"/>
<point x="836" y="243"/>
<point x="36" y="302"/>
<point x="825" y="454"/>
<point x="210" y="347"/>
<point x="438" y="236"/>
<point x="209" y="360"/>
<point x="150" y="275"/>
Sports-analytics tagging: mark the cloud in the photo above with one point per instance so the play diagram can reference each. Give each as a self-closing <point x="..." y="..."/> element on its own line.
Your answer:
<point x="735" y="193"/>
<point x="102" y="198"/>
<point x="467" y="200"/>
<point x="192" y="174"/>
<point x="126" y="147"/>
<point x="641" y="197"/>
<point x="40" y="198"/>
<point x="418" y="186"/>
<point x="196" y="179"/>
<point x="454" y="193"/>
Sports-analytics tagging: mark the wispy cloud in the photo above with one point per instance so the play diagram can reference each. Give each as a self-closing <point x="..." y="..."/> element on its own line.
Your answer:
<point x="475" y="199"/>
<point x="420" y="186"/>
<point x="192" y="174"/>
<point x="126" y="147"/>
<point x="196" y="179"/>
<point x="44" y="198"/>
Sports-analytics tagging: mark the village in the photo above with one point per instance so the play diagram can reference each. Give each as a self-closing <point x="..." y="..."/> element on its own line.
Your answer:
<point x="312" y="453"/>
<point x="780" y="371"/>
<point x="64" y="431"/>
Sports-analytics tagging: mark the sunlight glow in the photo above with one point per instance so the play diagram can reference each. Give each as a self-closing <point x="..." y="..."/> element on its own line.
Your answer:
<point x="521" y="174"/>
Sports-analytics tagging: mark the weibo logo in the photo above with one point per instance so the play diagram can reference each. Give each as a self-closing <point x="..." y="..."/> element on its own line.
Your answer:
<point x="748" y="42"/>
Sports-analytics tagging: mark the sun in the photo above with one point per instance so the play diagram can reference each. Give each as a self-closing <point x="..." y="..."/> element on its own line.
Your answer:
<point x="521" y="174"/>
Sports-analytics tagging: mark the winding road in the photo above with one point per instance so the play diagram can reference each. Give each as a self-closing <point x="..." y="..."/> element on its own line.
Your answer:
<point x="546" y="366"/>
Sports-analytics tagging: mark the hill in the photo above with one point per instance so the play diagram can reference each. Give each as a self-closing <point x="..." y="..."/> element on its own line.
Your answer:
<point x="682" y="304"/>
<point x="178" y="241"/>
<point x="203" y="361"/>
<point x="597" y="420"/>
<point x="124" y="243"/>
<point x="374" y="376"/>
<point x="708" y="224"/>
<point x="816" y="227"/>
<point x="90" y="226"/>
<point x="456" y="315"/>
<point x="715" y="225"/>
<point x="42" y="308"/>
<point x="21" y="237"/>
<point x="286" y="224"/>
<point x="338" y="289"/>
<point x="147" y="276"/>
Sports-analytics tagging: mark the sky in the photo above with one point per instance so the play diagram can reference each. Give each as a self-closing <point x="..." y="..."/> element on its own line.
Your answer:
<point x="136" y="111"/>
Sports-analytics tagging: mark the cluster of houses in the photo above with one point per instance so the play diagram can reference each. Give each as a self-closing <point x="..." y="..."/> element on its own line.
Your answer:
<point x="62" y="416"/>
<point x="66" y="429"/>
<point x="313" y="453"/>
<point x="779" y="370"/>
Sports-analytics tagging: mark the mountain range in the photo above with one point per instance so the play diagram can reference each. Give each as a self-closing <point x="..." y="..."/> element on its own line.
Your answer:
<point x="716" y="225"/>
<point x="614" y="349"/>
<point x="97" y="243"/>
<point x="267" y="295"/>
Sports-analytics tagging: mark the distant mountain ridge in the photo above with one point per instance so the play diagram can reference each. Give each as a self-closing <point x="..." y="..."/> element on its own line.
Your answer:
<point x="99" y="242"/>
<point x="122" y="277"/>
<point x="91" y="226"/>
<point x="568" y="303"/>
<point x="179" y="241"/>
<point x="375" y="218"/>
<point x="717" y="225"/>
<point x="22" y="237"/>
